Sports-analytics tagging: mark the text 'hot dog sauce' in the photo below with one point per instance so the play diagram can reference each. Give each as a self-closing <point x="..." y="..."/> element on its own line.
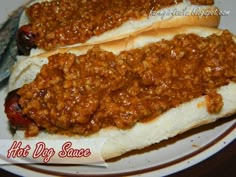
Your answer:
<point x="82" y="94"/>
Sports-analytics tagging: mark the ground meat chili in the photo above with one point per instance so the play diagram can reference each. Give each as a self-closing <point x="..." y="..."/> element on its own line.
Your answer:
<point x="65" y="22"/>
<point x="82" y="94"/>
<point x="202" y="2"/>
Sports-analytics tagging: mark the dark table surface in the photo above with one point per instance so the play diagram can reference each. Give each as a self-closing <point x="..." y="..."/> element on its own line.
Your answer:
<point x="222" y="164"/>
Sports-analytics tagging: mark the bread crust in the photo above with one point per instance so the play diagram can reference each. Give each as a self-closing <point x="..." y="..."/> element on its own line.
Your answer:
<point x="194" y="17"/>
<point x="135" y="40"/>
<point x="162" y="127"/>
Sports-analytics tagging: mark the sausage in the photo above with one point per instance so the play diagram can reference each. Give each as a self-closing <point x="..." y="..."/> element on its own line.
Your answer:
<point x="14" y="111"/>
<point x="25" y="39"/>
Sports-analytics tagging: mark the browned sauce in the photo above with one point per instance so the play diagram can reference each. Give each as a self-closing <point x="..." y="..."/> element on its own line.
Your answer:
<point x="82" y="94"/>
<point x="64" y="22"/>
<point x="202" y="2"/>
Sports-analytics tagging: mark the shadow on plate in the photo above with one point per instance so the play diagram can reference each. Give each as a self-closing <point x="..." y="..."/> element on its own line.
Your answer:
<point x="179" y="137"/>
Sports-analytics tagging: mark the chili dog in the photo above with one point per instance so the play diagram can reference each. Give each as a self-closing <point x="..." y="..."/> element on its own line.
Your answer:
<point x="47" y="25"/>
<point x="159" y="83"/>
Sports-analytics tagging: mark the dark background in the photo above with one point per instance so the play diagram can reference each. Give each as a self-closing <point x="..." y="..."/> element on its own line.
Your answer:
<point x="222" y="164"/>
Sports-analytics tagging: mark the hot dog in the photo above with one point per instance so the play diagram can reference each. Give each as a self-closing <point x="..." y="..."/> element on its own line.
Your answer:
<point x="160" y="83"/>
<point x="52" y="24"/>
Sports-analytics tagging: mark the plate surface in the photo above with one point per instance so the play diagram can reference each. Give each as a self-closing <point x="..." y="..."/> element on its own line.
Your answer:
<point x="160" y="160"/>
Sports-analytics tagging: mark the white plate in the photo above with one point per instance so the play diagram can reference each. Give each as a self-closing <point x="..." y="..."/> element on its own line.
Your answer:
<point x="159" y="160"/>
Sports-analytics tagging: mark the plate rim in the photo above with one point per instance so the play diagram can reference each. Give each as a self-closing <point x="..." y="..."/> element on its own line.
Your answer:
<point x="166" y="165"/>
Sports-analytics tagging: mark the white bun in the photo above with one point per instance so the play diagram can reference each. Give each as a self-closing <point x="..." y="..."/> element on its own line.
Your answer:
<point x="192" y="16"/>
<point x="163" y="127"/>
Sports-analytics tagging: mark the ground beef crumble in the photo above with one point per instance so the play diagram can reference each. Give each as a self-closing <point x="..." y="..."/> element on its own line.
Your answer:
<point x="65" y="22"/>
<point x="82" y="94"/>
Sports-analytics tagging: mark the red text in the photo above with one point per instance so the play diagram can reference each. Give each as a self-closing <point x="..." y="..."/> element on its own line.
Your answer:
<point x="41" y="150"/>
<point x="17" y="151"/>
<point x="67" y="151"/>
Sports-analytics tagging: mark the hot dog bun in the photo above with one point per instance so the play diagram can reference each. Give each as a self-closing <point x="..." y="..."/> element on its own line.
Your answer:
<point x="162" y="127"/>
<point x="189" y="14"/>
